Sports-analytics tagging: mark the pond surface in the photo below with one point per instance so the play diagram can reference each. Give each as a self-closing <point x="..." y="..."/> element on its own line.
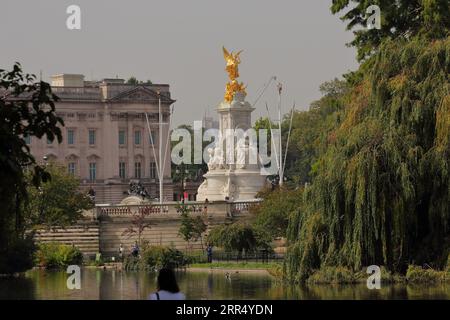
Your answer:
<point x="112" y="284"/>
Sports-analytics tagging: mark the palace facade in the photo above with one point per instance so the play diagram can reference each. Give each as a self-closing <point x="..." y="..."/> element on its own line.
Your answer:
<point x="106" y="140"/>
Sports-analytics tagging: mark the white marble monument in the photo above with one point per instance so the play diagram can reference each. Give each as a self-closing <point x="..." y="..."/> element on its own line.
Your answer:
<point x="234" y="170"/>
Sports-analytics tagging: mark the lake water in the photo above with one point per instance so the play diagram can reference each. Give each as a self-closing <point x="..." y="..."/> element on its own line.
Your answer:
<point x="112" y="284"/>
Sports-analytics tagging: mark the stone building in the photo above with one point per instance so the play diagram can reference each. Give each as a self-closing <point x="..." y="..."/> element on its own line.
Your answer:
<point x="106" y="141"/>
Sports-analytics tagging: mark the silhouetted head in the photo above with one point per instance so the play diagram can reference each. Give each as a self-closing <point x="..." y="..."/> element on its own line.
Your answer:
<point x="167" y="281"/>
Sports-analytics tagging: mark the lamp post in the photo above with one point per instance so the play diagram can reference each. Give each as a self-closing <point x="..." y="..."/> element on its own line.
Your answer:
<point x="184" y="175"/>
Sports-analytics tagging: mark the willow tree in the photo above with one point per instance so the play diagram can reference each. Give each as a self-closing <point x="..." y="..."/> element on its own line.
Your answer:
<point x="400" y="19"/>
<point x="381" y="191"/>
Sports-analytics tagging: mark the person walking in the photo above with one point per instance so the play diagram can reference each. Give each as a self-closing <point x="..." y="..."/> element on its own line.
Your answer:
<point x="209" y="253"/>
<point x="205" y="208"/>
<point x="167" y="287"/>
<point x="135" y="250"/>
<point x="121" y="252"/>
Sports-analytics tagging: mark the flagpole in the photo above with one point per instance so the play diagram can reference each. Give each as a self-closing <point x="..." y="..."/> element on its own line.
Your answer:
<point x="288" y="138"/>
<point x="280" y="168"/>
<point x="161" y="174"/>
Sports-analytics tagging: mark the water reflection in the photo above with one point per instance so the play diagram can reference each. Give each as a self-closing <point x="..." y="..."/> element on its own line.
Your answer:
<point x="113" y="284"/>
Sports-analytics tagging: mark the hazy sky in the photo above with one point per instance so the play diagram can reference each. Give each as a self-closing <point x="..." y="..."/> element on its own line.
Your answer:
<point x="179" y="42"/>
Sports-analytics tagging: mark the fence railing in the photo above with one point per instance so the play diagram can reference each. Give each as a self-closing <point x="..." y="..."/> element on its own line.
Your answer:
<point x="259" y="256"/>
<point x="216" y="207"/>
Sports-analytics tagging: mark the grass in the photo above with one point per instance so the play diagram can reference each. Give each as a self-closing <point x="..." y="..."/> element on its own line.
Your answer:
<point x="343" y="275"/>
<point x="236" y="265"/>
<point x="416" y="274"/>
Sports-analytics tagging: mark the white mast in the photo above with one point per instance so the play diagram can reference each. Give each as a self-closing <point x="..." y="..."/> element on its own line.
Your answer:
<point x="280" y="167"/>
<point x="160" y="174"/>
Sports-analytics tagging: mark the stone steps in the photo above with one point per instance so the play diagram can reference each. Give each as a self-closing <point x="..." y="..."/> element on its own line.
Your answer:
<point x="84" y="235"/>
<point x="106" y="235"/>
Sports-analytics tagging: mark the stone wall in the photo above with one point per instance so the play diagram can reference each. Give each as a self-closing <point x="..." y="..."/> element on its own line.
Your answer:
<point x="102" y="228"/>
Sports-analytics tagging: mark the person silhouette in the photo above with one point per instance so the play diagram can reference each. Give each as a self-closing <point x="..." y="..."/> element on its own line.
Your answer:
<point x="167" y="287"/>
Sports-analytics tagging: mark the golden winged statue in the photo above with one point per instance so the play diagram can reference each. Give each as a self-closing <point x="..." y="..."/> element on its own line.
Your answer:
<point x="233" y="60"/>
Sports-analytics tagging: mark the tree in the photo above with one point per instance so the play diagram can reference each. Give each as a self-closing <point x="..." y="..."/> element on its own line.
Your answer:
<point x="191" y="228"/>
<point x="56" y="202"/>
<point x="238" y="237"/>
<point x="402" y="19"/>
<point x="199" y="228"/>
<point x="139" y="224"/>
<point x="26" y="109"/>
<point x="273" y="213"/>
<point x="380" y="190"/>
<point x="134" y="81"/>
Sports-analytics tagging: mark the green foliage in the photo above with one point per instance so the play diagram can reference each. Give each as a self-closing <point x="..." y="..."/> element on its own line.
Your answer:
<point x="186" y="226"/>
<point x="311" y="130"/>
<point x="18" y="256"/>
<point x="275" y="267"/>
<point x="139" y="223"/>
<point x="380" y="184"/>
<point x="401" y="19"/>
<point x="273" y="213"/>
<point x="26" y="109"/>
<point x="156" y="257"/>
<point x="340" y="275"/>
<point x="416" y="274"/>
<point x="57" y="202"/>
<point x="345" y="275"/>
<point x="238" y="237"/>
<point x="57" y="256"/>
<point x="447" y="268"/>
<point x="191" y="228"/>
<point x="133" y="80"/>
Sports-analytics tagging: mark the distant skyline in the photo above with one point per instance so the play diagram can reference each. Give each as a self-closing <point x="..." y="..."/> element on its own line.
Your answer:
<point x="180" y="43"/>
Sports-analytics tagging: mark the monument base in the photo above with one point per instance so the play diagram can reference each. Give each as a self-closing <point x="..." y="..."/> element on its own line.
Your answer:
<point x="236" y="185"/>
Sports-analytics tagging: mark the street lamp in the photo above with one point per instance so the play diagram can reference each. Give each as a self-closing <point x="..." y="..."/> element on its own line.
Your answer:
<point x="184" y="175"/>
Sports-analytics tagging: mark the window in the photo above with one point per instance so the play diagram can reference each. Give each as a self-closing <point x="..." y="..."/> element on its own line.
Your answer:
<point x="137" y="170"/>
<point x="27" y="139"/>
<point x="152" y="170"/>
<point x="122" y="170"/>
<point x="72" y="167"/>
<point x="137" y="137"/>
<point x="91" y="137"/>
<point x="152" y="137"/>
<point x="122" y="137"/>
<point x="49" y="141"/>
<point x="92" y="171"/>
<point x="70" y="136"/>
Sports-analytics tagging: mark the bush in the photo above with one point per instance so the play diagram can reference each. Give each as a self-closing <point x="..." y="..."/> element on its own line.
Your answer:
<point x="332" y="275"/>
<point x="57" y="256"/>
<point x="239" y="237"/>
<point x="416" y="274"/>
<point x="157" y="257"/>
<point x="276" y="271"/>
<point x="17" y="257"/>
<point x="447" y="265"/>
<point x="197" y="257"/>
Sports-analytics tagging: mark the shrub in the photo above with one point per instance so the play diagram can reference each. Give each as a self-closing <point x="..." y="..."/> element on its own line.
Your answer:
<point x="57" y="256"/>
<point x="17" y="257"/>
<point x="447" y="268"/>
<point x="276" y="271"/>
<point x="157" y="257"/>
<point x="239" y="237"/>
<point x="416" y="274"/>
<point x="197" y="257"/>
<point x="332" y="275"/>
